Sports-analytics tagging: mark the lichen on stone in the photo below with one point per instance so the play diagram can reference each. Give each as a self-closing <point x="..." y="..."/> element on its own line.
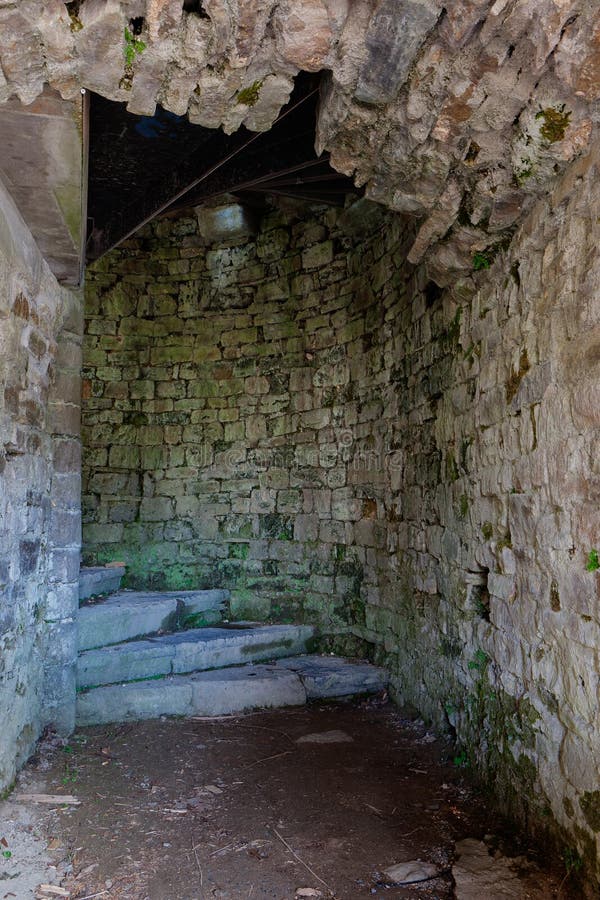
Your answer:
<point x="249" y="96"/>
<point x="556" y="121"/>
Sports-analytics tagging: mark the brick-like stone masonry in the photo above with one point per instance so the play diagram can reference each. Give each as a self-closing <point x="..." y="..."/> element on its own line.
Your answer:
<point x="309" y="420"/>
<point x="40" y="521"/>
<point x="223" y="388"/>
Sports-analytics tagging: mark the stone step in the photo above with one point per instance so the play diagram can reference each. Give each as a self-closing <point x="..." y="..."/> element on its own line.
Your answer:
<point x="190" y="651"/>
<point x="334" y="676"/>
<point x="215" y="693"/>
<point x="132" y="614"/>
<point x="95" y="580"/>
<point x="231" y="690"/>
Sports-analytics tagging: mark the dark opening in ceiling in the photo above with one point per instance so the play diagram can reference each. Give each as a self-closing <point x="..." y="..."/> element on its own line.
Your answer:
<point x="142" y="166"/>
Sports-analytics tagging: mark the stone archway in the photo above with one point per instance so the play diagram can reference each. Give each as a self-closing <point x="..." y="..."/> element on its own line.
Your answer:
<point x="458" y="114"/>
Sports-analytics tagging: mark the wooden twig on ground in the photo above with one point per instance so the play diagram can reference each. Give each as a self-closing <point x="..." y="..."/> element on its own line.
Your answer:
<point x="301" y="861"/>
<point x="58" y="799"/>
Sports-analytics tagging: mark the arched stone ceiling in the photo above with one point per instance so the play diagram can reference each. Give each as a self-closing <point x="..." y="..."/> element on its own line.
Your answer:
<point x="459" y="113"/>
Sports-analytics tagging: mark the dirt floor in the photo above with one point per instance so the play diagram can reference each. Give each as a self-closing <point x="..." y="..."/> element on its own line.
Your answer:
<point x="301" y="803"/>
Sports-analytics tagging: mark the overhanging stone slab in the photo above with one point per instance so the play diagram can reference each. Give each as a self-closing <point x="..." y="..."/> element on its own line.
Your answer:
<point x="43" y="165"/>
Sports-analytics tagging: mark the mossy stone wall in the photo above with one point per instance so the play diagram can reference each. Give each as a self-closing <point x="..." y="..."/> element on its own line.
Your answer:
<point x="223" y="389"/>
<point x="308" y="420"/>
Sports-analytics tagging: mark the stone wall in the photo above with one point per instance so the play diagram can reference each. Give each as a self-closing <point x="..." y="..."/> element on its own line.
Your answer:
<point x="310" y="420"/>
<point x="40" y="358"/>
<point x="461" y="113"/>
<point x="488" y="591"/>
<point x="222" y="389"/>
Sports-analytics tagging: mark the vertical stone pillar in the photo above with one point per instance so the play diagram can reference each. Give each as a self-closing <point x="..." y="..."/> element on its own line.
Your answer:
<point x="65" y="521"/>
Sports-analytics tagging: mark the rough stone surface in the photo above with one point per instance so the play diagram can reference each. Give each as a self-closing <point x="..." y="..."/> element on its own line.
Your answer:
<point x="94" y="580"/>
<point x="478" y="874"/>
<point x="223" y="385"/>
<point x="486" y="100"/>
<point x="192" y="650"/>
<point x="438" y="484"/>
<point x="42" y="164"/>
<point x="40" y="352"/>
<point x="329" y="676"/>
<point x="215" y="693"/>
<point x="415" y="872"/>
<point x="130" y="614"/>
<point x="441" y="506"/>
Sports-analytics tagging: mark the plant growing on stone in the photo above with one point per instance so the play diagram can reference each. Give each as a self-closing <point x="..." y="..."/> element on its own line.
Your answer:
<point x="70" y="776"/>
<point x="481" y="261"/>
<point x="479" y="661"/>
<point x="132" y="47"/>
<point x="461" y="760"/>
<point x="249" y="95"/>
<point x="593" y="561"/>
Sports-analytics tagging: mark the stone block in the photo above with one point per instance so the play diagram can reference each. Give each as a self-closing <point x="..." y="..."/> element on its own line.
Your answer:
<point x="129" y="614"/>
<point x="257" y="384"/>
<point x="64" y="418"/>
<point x="306" y="528"/>
<point x="66" y="490"/>
<point x="156" y="509"/>
<point x="256" y="428"/>
<point x="94" y="534"/>
<point x="206" y="693"/>
<point x="345" y="508"/>
<point x="124" y="457"/>
<point x="370" y="533"/>
<point x="94" y="580"/>
<point x="327" y="676"/>
<point x="197" y="649"/>
<point x="65" y="528"/>
<point x="318" y="255"/>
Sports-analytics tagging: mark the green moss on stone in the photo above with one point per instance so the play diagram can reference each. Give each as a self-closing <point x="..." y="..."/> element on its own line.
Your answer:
<point x="248" y="604"/>
<point x="556" y="121"/>
<point x="481" y="260"/>
<point x="68" y="197"/>
<point x="450" y="648"/>
<point x="451" y="467"/>
<point x="504" y="543"/>
<point x="249" y="96"/>
<point x="590" y="807"/>
<point x="5" y="794"/>
<point x="276" y="526"/>
<point x="524" y="171"/>
<point x="593" y="561"/>
<point x="527" y="772"/>
<point x="265" y="648"/>
<point x="239" y="551"/>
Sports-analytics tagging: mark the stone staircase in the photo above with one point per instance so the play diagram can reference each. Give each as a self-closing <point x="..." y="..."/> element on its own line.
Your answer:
<point x="149" y="654"/>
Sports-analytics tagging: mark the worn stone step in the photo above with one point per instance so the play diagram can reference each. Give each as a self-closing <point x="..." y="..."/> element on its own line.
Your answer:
<point x="334" y="676"/>
<point x="131" y="614"/>
<point x="214" y="693"/>
<point x="189" y="651"/>
<point x="95" y="580"/>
